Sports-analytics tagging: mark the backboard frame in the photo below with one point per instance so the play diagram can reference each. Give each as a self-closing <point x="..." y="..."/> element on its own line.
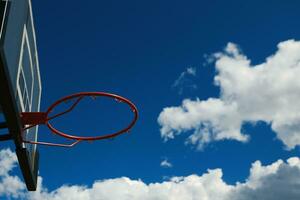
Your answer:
<point x="9" y="107"/>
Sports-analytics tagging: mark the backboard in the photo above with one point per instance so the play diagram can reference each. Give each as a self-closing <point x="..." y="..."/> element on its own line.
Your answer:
<point x="20" y="83"/>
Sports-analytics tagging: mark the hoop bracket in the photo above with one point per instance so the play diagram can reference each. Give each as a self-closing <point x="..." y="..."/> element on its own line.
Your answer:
<point x="53" y="144"/>
<point x="34" y="118"/>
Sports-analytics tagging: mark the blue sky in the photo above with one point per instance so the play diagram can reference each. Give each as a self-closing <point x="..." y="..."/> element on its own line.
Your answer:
<point x="160" y="54"/>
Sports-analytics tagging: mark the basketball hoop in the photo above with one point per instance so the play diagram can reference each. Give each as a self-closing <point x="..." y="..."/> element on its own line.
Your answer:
<point x="32" y="119"/>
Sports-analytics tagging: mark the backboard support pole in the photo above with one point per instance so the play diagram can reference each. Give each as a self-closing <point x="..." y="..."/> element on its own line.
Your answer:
<point x="3" y="125"/>
<point x="5" y="137"/>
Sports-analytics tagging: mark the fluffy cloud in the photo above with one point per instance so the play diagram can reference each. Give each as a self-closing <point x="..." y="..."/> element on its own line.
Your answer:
<point x="266" y="92"/>
<point x="10" y="186"/>
<point x="277" y="181"/>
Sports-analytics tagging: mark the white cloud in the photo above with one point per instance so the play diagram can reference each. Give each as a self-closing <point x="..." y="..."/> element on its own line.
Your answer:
<point x="266" y="92"/>
<point x="7" y="161"/>
<point x="10" y="186"/>
<point x="184" y="80"/>
<point x="210" y="120"/>
<point x="191" y="71"/>
<point x="165" y="163"/>
<point x="277" y="181"/>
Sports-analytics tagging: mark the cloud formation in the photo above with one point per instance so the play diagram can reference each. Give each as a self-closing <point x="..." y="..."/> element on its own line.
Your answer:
<point x="266" y="92"/>
<point x="277" y="181"/>
<point x="165" y="163"/>
<point x="184" y="80"/>
<point x="10" y="186"/>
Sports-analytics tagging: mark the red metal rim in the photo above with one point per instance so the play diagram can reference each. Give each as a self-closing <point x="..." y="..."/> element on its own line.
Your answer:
<point x="80" y="96"/>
